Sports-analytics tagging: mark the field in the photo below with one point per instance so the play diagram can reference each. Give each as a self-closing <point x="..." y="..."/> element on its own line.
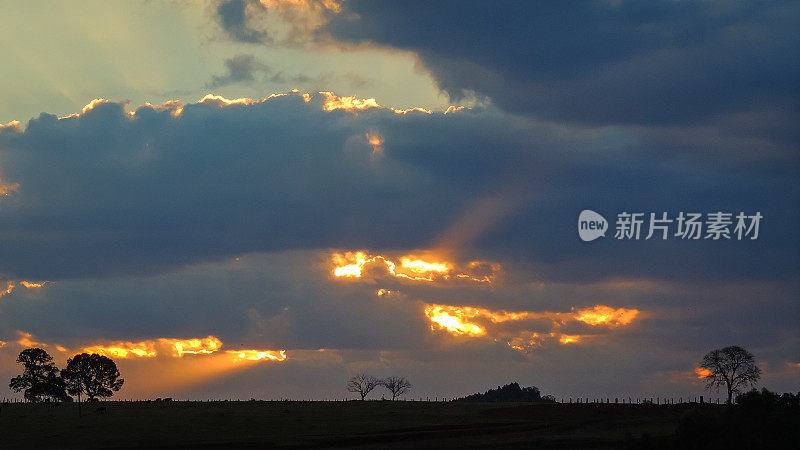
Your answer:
<point x="354" y="424"/>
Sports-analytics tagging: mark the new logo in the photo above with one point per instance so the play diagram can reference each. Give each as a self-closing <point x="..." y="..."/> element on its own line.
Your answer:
<point x="591" y="225"/>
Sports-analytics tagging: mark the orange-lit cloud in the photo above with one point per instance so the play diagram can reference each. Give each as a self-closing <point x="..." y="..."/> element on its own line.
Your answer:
<point x="569" y="339"/>
<point x="481" y="322"/>
<point x="11" y="285"/>
<point x="387" y="293"/>
<point x="702" y="373"/>
<point x="334" y="102"/>
<point x="175" y="107"/>
<point x="454" y="319"/>
<point x="153" y="347"/>
<point x="327" y="5"/>
<point x="182" y="373"/>
<point x="412" y="110"/>
<point x="354" y="265"/>
<point x="257" y="355"/>
<point x="121" y="349"/>
<point x="354" y="104"/>
<point x="606" y="315"/>
<point x="453" y="108"/>
<point x="375" y="141"/>
<point x="7" y="189"/>
<point x="15" y="124"/>
<point x="3" y="344"/>
<point x="26" y="340"/>
<point x="92" y="104"/>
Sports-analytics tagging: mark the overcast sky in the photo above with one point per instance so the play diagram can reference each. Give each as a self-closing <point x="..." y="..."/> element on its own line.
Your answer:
<point x="240" y="199"/>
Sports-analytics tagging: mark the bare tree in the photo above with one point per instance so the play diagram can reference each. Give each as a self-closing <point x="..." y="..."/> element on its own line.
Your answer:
<point x="732" y="367"/>
<point x="396" y="385"/>
<point x="362" y="384"/>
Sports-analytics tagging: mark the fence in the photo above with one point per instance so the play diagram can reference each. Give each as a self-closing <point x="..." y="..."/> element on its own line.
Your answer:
<point x="564" y="400"/>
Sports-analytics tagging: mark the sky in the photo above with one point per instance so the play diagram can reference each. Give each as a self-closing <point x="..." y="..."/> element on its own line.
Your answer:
<point x="261" y="199"/>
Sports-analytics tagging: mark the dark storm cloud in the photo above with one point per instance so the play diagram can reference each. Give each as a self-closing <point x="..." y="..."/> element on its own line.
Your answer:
<point x="105" y="193"/>
<point x="232" y="16"/>
<point x="598" y="62"/>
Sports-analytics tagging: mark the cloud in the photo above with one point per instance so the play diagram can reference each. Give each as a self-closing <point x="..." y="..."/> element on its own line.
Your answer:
<point x="241" y="67"/>
<point x="596" y="62"/>
<point x="291" y="300"/>
<point x="232" y="15"/>
<point x="289" y="22"/>
<point x="109" y="191"/>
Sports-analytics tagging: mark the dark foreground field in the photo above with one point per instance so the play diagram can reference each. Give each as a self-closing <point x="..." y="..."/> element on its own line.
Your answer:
<point x="374" y="424"/>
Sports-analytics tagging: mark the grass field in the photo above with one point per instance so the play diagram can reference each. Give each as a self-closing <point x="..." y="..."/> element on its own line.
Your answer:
<point x="354" y="424"/>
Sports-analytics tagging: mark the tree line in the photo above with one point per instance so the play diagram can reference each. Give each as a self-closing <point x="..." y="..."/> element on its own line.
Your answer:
<point x="362" y="384"/>
<point x="89" y="375"/>
<point x="96" y="376"/>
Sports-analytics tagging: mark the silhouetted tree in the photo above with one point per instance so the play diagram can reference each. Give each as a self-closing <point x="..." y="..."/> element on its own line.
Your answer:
<point x="732" y="367"/>
<point x="396" y="385"/>
<point x="511" y="392"/>
<point x="757" y="419"/>
<point x="40" y="378"/>
<point x="362" y="384"/>
<point x="93" y="375"/>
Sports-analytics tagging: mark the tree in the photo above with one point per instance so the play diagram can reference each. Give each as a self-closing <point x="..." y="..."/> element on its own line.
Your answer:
<point x="396" y="385"/>
<point x="511" y="392"/>
<point x="362" y="384"/>
<point x="732" y="367"/>
<point x="93" y="375"/>
<point x="40" y="378"/>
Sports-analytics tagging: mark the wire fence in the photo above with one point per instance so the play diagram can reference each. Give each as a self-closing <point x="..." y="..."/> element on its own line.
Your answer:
<point x="436" y="399"/>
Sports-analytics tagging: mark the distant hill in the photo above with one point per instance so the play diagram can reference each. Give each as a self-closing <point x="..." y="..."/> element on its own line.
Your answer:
<point x="511" y="392"/>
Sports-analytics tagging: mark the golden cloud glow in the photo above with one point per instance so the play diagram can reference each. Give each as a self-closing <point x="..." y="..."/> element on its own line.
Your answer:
<point x="387" y="293"/>
<point x="412" y="110"/>
<point x="13" y="124"/>
<point x="7" y="189"/>
<point x="10" y="286"/>
<point x="569" y="339"/>
<point x="453" y="108"/>
<point x="606" y="315"/>
<point x="92" y="104"/>
<point x="257" y="355"/>
<point x="26" y="340"/>
<point x="375" y="141"/>
<point x="121" y="349"/>
<point x="354" y="104"/>
<point x="206" y="345"/>
<point x="454" y="319"/>
<point x="333" y="102"/>
<point x="3" y="344"/>
<point x="151" y="348"/>
<point x="481" y="322"/>
<point x="328" y="5"/>
<point x="222" y="101"/>
<point x="702" y="372"/>
<point x="411" y="267"/>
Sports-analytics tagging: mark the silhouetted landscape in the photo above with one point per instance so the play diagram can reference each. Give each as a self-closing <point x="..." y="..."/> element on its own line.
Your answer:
<point x="400" y="224"/>
<point x="759" y="419"/>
